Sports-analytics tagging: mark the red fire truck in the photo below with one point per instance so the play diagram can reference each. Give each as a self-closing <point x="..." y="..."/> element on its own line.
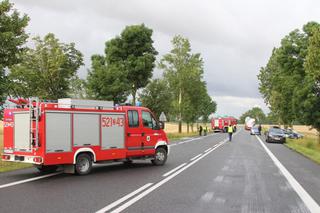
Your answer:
<point x="75" y="134"/>
<point x="222" y="123"/>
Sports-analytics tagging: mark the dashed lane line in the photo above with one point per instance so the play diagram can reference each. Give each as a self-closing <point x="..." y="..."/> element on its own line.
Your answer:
<point x="157" y="185"/>
<point x="195" y="157"/>
<point x="124" y="198"/>
<point x="173" y="170"/>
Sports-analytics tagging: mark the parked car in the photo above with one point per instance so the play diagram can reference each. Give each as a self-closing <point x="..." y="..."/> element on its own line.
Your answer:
<point x="275" y="135"/>
<point x="289" y="133"/>
<point x="255" y="130"/>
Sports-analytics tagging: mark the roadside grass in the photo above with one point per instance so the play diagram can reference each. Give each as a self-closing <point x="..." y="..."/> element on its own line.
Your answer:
<point x="307" y="146"/>
<point x="9" y="166"/>
<point x="177" y="136"/>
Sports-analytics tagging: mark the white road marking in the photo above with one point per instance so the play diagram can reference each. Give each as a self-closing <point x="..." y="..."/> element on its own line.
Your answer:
<point x="152" y="188"/>
<point x="173" y="170"/>
<point x="208" y="150"/>
<point x="29" y="180"/>
<point x="305" y="197"/>
<point x="124" y="198"/>
<point x="195" y="157"/>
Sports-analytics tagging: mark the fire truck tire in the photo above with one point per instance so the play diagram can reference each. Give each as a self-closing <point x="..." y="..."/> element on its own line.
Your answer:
<point x="160" y="157"/>
<point x="46" y="169"/>
<point x="128" y="161"/>
<point x="83" y="164"/>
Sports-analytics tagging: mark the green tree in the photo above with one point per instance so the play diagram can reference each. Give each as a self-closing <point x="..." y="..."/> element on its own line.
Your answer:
<point x="77" y="88"/>
<point x="290" y="82"/>
<point x="256" y="113"/>
<point x="12" y="39"/>
<point x="307" y="99"/>
<point x="184" y="72"/>
<point x="107" y="82"/>
<point x="45" y="71"/>
<point x="157" y="97"/>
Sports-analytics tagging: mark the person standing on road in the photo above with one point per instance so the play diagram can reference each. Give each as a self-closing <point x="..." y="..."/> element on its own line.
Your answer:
<point x="230" y="131"/>
<point x="200" y="130"/>
<point x="259" y="128"/>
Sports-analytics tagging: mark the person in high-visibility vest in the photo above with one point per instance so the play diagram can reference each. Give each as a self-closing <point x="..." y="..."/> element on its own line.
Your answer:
<point x="230" y="131"/>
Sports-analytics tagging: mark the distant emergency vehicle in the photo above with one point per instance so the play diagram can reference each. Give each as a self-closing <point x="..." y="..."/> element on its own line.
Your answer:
<point x="222" y="123"/>
<point x="75" y="134"/>
<point x="249" y="123"/>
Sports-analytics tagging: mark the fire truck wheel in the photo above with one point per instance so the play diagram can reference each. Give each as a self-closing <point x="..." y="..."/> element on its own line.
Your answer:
<point x="46" y="169"/>
<point x="160" y="157"/>
<point x="83" y="164"/>
<point x="128" y="161"/>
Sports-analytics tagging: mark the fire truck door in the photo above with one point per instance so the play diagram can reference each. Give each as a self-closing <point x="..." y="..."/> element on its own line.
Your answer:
<point x="151" y="132"/>
<point x="134" y="133"/>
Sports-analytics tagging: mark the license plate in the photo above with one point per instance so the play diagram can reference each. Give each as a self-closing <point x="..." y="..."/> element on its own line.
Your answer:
<point x="19" y="158"/>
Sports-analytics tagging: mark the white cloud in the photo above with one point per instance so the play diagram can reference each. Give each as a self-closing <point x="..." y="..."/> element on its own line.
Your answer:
<point x="236" y="106"/>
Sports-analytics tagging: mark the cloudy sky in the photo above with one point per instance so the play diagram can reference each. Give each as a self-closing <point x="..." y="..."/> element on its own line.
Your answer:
<point x="235" y="38"/>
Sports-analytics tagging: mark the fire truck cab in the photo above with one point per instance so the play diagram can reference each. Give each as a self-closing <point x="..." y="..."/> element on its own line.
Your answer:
<point x="75" y="134"/>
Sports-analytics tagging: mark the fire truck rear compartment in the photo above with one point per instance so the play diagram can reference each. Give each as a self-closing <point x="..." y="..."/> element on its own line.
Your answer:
<point x="22" y="131"/>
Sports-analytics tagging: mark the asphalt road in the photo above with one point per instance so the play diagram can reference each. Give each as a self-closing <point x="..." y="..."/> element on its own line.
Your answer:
<point x="207" y="174"/>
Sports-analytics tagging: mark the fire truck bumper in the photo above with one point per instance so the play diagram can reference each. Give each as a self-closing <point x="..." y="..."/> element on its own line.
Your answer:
<point x="22" y="158"/>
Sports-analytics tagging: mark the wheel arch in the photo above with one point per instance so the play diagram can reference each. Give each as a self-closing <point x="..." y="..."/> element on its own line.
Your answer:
<point x="84" y="150"/>
<point x="163" y="144"/>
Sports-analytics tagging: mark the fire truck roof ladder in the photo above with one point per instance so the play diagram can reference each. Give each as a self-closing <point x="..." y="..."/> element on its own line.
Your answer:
<point x="34" y="112"/>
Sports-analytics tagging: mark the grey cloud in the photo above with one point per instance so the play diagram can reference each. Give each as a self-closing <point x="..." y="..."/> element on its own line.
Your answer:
<point x="234" y="37"/>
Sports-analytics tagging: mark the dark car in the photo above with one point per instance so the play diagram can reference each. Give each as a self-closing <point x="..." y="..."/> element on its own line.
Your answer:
<point x="292" y="134"/>
<point x="275" y="135"/>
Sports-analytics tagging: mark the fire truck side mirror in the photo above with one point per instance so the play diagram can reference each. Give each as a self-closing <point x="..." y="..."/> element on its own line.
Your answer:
<point x="161" y="124"/>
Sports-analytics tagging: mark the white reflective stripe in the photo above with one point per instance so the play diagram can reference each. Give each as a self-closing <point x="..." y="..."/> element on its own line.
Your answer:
<point x="114" y="204"/>
<point x="305" y="197"/>
<point x="28" y="180"/>
<point x="175" y="169"/>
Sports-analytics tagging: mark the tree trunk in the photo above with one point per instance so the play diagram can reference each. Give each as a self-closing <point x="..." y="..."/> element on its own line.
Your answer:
<point x="134" y="92"/>
<point x="318" y="130"/>
<point x="187" y="127"/>
<point x="180" y="126"/>
<point x="192" y="127"/>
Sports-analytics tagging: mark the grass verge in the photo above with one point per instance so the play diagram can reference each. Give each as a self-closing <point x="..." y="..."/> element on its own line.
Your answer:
<point x="177" y="136"/>
<point x="9" y="166"/>
<point x="307" y="146"/>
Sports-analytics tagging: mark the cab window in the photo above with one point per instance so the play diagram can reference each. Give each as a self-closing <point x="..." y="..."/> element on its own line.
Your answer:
<point x="133" y="118"/>
<point x="147" y="120"/>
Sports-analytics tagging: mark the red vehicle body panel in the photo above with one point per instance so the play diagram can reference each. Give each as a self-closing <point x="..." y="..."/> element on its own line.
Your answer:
<point x="138" y="141"/>
<point x="221" y="123"/>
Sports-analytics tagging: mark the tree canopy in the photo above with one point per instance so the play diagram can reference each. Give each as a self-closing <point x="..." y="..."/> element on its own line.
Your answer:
<point x="126" y="67"/>
<point x="45" y="71"/>
<point x="289" y="82"/>
<point x="12" y="39"/>
<point x="183" y="70"/>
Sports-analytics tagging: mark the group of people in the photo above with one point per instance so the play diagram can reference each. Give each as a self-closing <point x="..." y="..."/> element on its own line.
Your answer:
<point x="204" y="130"/>
<point x="230" y="130"/>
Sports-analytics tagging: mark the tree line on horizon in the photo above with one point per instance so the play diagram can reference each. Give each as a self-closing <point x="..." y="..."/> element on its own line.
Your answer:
<point x="49" y="68"/>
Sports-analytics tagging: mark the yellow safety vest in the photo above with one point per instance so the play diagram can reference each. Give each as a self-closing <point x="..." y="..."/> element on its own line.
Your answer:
<point x="230" y="129"/>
